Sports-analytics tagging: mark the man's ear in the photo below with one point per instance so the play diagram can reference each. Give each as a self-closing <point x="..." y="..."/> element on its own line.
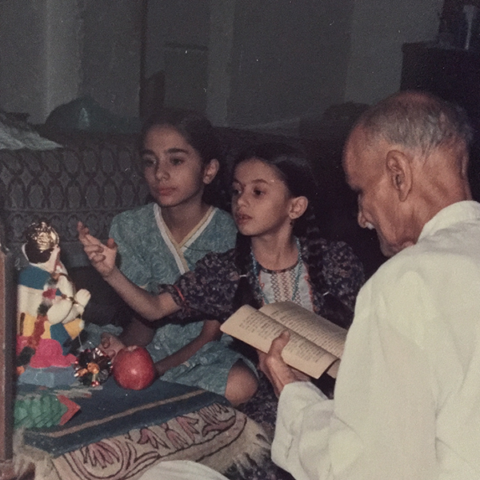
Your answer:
<point x="297" y="207"/>
<point x="399" y="171"/>
<point x="210" y="171"/>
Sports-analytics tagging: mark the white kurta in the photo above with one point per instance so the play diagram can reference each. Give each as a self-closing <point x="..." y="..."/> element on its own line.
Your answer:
<point x="181" y="470"/>
<point x="407" y="398"/>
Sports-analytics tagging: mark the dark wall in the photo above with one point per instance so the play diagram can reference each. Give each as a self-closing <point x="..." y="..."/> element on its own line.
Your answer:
<point x="111" y="53"/>
<point x="288" y="61"/>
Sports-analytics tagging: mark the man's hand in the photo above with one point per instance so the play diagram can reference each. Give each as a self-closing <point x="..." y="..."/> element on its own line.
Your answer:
<point x="102" y="256"/>
<point x="273" y="366"/>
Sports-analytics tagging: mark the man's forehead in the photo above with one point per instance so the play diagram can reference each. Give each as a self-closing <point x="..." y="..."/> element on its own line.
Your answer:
<point x="350" y="169"/>
<point x="361" y="159"/>
<point x="354" y="151"/>
<point x="359" y="139"/>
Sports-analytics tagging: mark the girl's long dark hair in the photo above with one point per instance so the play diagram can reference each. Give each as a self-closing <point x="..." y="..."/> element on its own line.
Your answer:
<point x="295" y="170"/>
<point x="200" y="134"/>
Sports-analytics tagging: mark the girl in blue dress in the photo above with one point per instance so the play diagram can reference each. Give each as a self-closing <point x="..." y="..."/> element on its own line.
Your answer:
<point x="164" y="239"/>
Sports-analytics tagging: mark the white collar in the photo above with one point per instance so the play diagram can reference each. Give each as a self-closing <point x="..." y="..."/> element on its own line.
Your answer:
<point x="448" y="216"/>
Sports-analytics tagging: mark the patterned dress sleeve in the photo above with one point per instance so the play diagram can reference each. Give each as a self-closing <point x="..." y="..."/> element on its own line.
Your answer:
<point x="343" y="272"/>
<point x="209" y="289"/>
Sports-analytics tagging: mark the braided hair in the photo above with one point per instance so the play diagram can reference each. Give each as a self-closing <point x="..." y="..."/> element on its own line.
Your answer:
<point x="295" y="171"/>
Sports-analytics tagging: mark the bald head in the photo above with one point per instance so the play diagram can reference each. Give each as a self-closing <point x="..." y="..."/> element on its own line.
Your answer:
<point x="407" y="158"/>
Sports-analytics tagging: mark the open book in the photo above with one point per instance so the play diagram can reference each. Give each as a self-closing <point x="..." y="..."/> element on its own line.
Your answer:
<point x="315" y="345"/>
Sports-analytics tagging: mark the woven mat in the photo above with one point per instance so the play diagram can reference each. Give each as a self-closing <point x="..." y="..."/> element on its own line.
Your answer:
<point x="111" y="411"/>
<point x="120" y="433"/>
<point x="217" y="436"/>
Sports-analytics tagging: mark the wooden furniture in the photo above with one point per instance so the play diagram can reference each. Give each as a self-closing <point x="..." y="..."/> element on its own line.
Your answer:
<point x="452" y="27"/>
<point x="452" y="74"/>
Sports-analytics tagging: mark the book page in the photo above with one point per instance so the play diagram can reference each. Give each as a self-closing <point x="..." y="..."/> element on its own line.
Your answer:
<point x="307" y="324"/>
<point x="305" y="356"/>
<point x="258" y="330"/>
<point x="252" y="327"/>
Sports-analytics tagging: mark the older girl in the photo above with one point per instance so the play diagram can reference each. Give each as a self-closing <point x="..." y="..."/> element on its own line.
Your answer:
<point x="165" y="238"/>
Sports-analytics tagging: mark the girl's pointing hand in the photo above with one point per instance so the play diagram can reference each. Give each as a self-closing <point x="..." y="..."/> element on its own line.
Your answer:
<point x="102" y="256"/>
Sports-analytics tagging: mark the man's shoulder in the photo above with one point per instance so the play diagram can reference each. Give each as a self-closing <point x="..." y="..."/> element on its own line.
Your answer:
<point x="422" y="288"/>
<point x="443" y="257"/>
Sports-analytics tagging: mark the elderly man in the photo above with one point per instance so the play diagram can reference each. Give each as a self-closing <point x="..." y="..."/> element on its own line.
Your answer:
<point x="407" y="398"/>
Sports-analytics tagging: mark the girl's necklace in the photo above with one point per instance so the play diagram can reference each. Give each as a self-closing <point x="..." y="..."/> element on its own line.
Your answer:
<point x="298" y="270"/>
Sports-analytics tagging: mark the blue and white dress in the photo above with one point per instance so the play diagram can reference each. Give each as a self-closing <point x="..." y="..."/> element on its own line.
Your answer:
<point x="149" y="256"/>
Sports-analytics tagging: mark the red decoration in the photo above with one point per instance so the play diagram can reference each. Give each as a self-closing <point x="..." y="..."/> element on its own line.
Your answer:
<point x="133" y="368"/>
<point x="50" y="293"/>
<point x="72" y="408"/>
<point x="49" y="353"/>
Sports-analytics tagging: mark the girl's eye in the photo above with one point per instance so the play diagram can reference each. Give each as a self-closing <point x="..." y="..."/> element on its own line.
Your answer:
<point x="148" y="162"/>
<point x="236" y="190"/>
<point x="176" y="161"/>
<point x="258" y="193"/>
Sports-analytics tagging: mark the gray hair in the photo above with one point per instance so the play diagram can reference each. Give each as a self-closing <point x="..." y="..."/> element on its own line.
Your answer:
<point x="417" y="121"/>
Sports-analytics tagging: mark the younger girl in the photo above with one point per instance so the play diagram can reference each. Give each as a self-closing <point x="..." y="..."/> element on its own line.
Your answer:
<point x="278" y="256"/>
<point x="164" y="239"/>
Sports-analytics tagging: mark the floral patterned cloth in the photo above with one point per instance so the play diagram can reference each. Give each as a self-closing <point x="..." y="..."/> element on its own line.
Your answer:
<point x="211" y="287"/>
